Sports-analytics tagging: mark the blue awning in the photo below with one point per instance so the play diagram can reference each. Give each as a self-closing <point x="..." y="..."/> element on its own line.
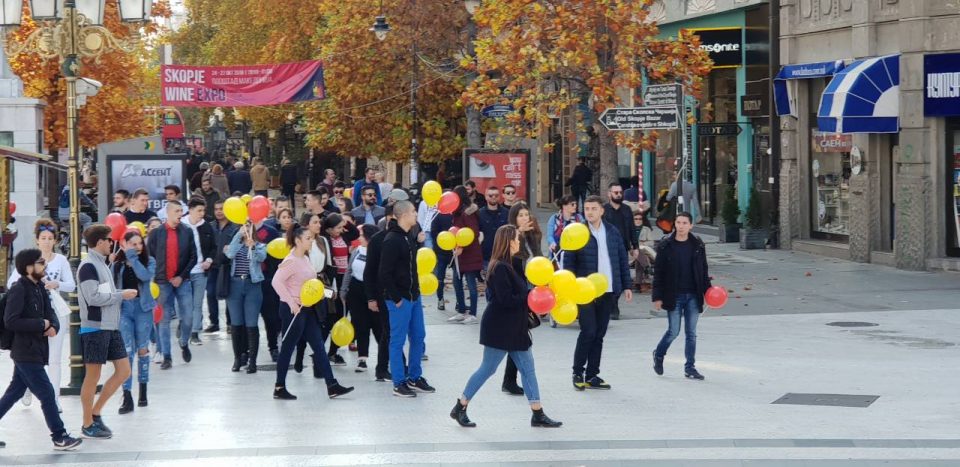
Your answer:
<point x="781" y="92"/>
<point x="863" y="98"/>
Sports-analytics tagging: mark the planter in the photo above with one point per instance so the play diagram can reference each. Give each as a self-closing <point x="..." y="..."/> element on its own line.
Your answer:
<point x="730" y="233"/>
<point x="753" y="239"/>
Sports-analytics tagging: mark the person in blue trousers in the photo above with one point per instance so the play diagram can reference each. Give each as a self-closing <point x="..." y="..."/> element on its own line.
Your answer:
<point x="134" y="269"/>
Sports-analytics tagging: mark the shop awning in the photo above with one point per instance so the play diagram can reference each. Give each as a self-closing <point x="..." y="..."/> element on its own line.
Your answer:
<point x="782" y="93"/>
<point x="863" y="98"/>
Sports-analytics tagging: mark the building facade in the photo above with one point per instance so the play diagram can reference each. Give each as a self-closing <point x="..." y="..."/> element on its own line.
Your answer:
<point x="870" y="147"/>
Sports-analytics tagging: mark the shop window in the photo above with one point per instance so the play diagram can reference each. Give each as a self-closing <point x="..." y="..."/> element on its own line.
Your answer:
<point x="953" y="187"/>
<point x="830" y="175"/>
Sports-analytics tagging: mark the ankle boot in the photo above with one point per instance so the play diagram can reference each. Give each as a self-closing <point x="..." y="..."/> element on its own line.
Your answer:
<point x="459" y="413"/>
<point x="298" y="361"/>
<point x="512" y="388"/>
<point x="281" y="393"/>
<point x="541" y="419"/>
<point x="127" y="405"/>
<point x="253" y="346"/>
<point x="238" y="347"/>
<point x="142" y="402"/>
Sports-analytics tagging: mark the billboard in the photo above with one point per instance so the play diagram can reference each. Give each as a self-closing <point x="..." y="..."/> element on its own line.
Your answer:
<point x="241" y="85"/>
<point x="152" y="174"/>
<point x="499" y="168"/>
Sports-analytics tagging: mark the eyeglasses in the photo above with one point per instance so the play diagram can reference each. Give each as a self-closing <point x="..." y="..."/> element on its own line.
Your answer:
<point x="509" y="192"/>
<point x="338" y="192"/>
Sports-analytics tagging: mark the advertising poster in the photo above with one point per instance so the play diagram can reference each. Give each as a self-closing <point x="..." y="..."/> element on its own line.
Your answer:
<point x="243" y="85"/>
<point x="134" y="172"/>
<point x="498" y="169"/>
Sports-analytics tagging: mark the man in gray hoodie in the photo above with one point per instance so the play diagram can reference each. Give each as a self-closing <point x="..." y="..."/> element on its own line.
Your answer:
<point x="100" y="338"/>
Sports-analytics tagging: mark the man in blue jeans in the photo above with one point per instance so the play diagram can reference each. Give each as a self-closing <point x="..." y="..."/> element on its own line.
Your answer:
<point x="401" y="289"/>
<point x="680" y="281"/>
<point x="174" y="247"/>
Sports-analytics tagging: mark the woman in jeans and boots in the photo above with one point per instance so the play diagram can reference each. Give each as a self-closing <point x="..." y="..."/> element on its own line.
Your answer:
<point x="362" y="310"/>
<point x="469" y="259"/>
<point x="505" y="329"/>
<point x="530" y="238"/>
<point x="288" y="280"/>
<point x="134" y="269"/>
<point x="246" y="296"/>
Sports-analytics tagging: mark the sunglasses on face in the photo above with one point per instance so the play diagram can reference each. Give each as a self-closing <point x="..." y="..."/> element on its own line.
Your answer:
<point x="48" y="228"/>
<point x="338" y="192"/>
<point x="509" y="192"/>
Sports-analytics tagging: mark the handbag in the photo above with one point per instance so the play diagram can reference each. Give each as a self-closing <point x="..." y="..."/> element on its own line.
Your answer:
<point x="532" y="320"/>
<point x="223" y="280"/>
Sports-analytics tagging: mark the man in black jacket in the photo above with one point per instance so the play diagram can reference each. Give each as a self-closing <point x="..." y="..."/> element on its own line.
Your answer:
<point x="680" y="281"/>
<point x="620" y="216"/>
<point x="30" y="317"/>
<point x="401" y="290"/>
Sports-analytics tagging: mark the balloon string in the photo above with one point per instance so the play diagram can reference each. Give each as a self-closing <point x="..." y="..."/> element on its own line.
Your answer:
<point x="287" y="331"/>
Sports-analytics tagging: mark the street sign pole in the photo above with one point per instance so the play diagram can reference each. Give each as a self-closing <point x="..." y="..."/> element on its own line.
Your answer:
<point x="684" y="158"/>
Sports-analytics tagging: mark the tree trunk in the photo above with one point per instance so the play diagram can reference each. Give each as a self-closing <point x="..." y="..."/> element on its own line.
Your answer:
<point x="608" y="160"/>
<point x="473" y="128"/>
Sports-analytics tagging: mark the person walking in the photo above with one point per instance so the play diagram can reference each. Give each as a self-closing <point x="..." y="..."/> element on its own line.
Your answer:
<point x="558" y="221"/>
<point x="469" y="260"/>
<point x="224" y="231"/>
<point x="603" y="253"/>
<point x="210" y="197"/>
<point x="270" y="302"/>
<point x="369" y="178"/>
<point x="441" y="223"/>
<point x="491" y="216"/>
<point x="376" y="299"/>
<point x="579" y="181"/>
<point x="100" y="338"/>
<point x="292" y="273"/>
<point x="134" y="269"/>
<point x="339" y="234"/>
<point x="239" y="179"/>
<point x="425" y="216"/>
<point x="505" y="329"/>
<point x="369" y="212"/>
<point x="288" y="180"/>
<point x="246" y="254"/>
<point x="362" y="310"/>
<point x="618" y="214"/>
<point x="401" y="289"/>
<point x="174" y="247"/>
<point x="680" y="280"/>
<point x="31" y="321"/>
<point x="139" y="210"/>
<point x="260" y="177"/>
<point x="218" y="180"/>
<point x="206" y="243"/>
<point x="530" y="246"/>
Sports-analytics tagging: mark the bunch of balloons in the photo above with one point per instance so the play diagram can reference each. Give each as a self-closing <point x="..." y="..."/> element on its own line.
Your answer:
<point x="426" y="264"/>
<point x="240" y="209"/>
<point x="455" y="237"/>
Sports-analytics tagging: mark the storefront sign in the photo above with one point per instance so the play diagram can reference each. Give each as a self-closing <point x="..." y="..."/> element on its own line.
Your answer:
<point x="498" y="169"/>
<point x="832" y="142"/>
<point x="718" y="129"/>
<point x="724" y="45"/>
<point x="662" y="95"/>
<point x="496" y="110"/>
<point x="941" y="84"/>
<point x="243" y="85"/>
<point x="640" y="118"/>
<point x="754" y="105"/>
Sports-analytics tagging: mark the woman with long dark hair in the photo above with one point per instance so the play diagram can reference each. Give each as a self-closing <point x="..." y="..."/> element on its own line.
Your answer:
<point x="339" y="234"/>
<point x="469" y="260"/>
<point x="134" y="269"/>
<point x="288" y="280"/>
<point x="363" y="317"/>
<point x="505" y="330"/>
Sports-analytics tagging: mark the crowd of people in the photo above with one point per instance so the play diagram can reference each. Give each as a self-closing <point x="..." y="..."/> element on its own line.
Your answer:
<point x="361" y="240"/>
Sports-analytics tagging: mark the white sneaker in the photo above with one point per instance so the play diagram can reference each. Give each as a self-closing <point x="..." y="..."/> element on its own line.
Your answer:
<point x="470" y="319"/>
<point x="459" y="317"/>
<point x="157" y="357"/>
<point x="27" y="399"/>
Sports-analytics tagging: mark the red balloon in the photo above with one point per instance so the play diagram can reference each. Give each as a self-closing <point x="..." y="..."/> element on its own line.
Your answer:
<point x="258" y="209"/>
<point x="454" y="230"/>
<point x="157" y="314"/>
<point x="716" y="297"/>
<point x="449" y="202"/>
<point x="13" y="208"/>
<point x="117" y="224"/>
<point x="541" y="300"/>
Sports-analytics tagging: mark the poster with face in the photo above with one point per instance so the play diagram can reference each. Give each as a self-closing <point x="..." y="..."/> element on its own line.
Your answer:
<point x="508" y="167"/>
<point x="134" y="172"/>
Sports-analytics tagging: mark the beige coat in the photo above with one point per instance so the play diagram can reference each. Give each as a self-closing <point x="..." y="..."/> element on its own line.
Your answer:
<point x="260" y="175"/>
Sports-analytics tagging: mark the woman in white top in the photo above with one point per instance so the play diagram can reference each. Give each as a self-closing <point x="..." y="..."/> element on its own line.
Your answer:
<point x="361" y="308"/>
<point x="59" y="278"/>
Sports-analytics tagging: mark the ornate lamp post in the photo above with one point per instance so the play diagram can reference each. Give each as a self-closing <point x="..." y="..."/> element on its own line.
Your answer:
<point x="71" y="34"/>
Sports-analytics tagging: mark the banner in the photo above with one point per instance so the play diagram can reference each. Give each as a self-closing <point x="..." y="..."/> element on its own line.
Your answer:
<point x="152" y="174"/>
<point x="509" y="167"/>
<point x="241" y="85"/>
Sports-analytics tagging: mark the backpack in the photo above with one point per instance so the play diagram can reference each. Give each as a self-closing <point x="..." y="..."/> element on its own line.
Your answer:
<point x="6" y="337"/>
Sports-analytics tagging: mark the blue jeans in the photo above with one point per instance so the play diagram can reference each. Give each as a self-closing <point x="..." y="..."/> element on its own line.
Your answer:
<point x="33" y="377"/>
<point x="406" y="320"/>
<point x="688" y="306"/>
<point x="488" y="366"/>
<point x="244" y="302"/>
<point x="443" y="263"/>
<point x="199" y="284"/>
<point x="428" y="241"/>
<point x="183" y="297"/>
<point x="136" y="324"/>
<point x="213" y="303"/>
<point x="471" y="278"/>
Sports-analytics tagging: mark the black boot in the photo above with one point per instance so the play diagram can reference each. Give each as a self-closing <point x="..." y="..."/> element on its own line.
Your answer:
<point x="127" y="405"/>
<point x="142" y="402"/>
<point x="512" y="388"/>
<point x="541" y="419"/>
<point x="253" y="346"/>
<point x="298" y="361"/>
<point x="281" y="393"/>
<point x="459" y="413"/>
<point x="235" y="333"/>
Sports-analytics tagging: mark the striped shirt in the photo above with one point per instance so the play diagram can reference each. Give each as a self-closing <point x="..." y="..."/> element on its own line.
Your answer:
<point x="242" y="262"/>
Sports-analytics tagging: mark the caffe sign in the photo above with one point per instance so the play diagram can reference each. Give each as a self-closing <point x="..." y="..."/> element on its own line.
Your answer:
<point x="832" y="142"/>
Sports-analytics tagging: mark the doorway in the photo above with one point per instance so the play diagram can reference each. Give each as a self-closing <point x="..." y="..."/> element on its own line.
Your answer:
<point x="718" y="172"/>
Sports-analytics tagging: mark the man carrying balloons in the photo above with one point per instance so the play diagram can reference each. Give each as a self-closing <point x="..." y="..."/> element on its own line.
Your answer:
<point x="680" y="282"/>
<point x="603" y="253"/>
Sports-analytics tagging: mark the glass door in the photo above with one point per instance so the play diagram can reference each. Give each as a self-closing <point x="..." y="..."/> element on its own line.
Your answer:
<point x="953" y="187"/>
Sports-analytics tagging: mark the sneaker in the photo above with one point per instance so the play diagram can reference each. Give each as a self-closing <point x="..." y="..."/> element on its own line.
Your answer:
<point x="657" y="363"/>
<point x="336" y="390"/>
<point x="441" y="307"/>
<point x="282" y="394"/>
<point x="96" y="432"/>
<point x="692" y="373"/>
<point x="167" y="363"/>
<point x="597" y="383"/>
<point x="383" y="376"/>
<point x="578" y="383"/>
<point x="212" y="328"/>
<point x="187" y="356"/>
<point x="361" y="366"/>
<point x="67" y="443"/>
<point x="27" y="399"/>
<point x="157" y="356"/>
<point x="421" y="385"/>
<point x="470" y="319"/>
<point x="424" y="357"/>
<point x="195" y="339"/>
<point x="402" y="390"/>
<point x="459" y="317"/>
<point x="337" y="360"/>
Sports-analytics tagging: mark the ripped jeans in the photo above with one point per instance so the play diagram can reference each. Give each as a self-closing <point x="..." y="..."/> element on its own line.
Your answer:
<point x="136" y="324"/>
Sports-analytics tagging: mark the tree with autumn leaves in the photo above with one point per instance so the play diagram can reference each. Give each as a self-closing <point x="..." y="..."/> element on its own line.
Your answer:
<point x="547" y="56"/>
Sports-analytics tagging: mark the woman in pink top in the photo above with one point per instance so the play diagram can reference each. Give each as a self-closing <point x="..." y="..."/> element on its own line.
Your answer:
<point x="289" y="278"/>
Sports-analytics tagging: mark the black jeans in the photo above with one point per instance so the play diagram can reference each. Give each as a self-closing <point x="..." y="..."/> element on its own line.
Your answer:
<point x="307" y="326"/>
<point x="334" y="315"/>
<point x="270" y="310"/>
<point x="364" y="320"/>
<point x="33" y="377"/>
<point x="594" y="318"/>
<point x="213" y="304"/>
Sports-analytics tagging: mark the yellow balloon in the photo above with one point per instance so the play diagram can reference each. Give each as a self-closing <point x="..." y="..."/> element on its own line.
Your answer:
<point x="539" y="271"/>
<point x="278" y="248"/>
<point x="465" y="237"/>
<point x="348" y="192"/>
<point x="235" y="210"/>
<point x="600" y="283"/>
<point x="246" y="198"/>
<point x="342" y="332"/>
<point x="428" y="284"/>
<point x="154" y="290"/>
<point x="563" y="285"/>
<point x="446" y="241"/>
<point x="574" y="237"/>
<point x="564" y="313"/>
<point x="585" y="292"/>
<point x="431" y="193"/>
<point x="426" y="261"/>
<point x="139" y="226"/>
<point x="311" y="292"/>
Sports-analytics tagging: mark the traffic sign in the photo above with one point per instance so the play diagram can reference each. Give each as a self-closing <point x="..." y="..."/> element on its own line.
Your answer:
<point x="496" y="110"/>
<point x="662" y="95"/>
<point x="719" y="129"/>
<point x="640" y="118"/>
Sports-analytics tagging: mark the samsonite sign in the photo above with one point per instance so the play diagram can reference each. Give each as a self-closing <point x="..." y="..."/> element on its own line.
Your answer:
<point x="941" y="85"/>
<point x="724" y="45"/>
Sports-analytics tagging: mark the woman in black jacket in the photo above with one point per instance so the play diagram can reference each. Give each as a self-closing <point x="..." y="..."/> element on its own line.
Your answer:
<point x="504" y="330"/>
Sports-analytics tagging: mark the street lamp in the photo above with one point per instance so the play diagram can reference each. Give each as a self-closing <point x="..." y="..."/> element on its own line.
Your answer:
<point x="380" y="26"/>
<point x="71" y="33"/>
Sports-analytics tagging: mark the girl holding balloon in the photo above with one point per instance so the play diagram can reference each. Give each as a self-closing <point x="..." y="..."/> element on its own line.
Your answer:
<point x="134" y="269"/>
<point x="246" y="295"/>
<point x="469" y="258"/>
<point x="338" y="234"/>
<point x="295" y="300"/>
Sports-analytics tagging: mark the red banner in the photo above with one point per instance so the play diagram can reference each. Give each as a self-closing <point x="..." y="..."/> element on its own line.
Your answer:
<point x="510" y="167"/>
<point x="242" y="85"/>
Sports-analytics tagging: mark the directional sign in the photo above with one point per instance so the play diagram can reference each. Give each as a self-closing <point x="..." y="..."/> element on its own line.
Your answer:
<point x="662" y="95"/>
<point x="640" y="118"/>
<point x="496" y="110"/>
<point x="718" y="129"/>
